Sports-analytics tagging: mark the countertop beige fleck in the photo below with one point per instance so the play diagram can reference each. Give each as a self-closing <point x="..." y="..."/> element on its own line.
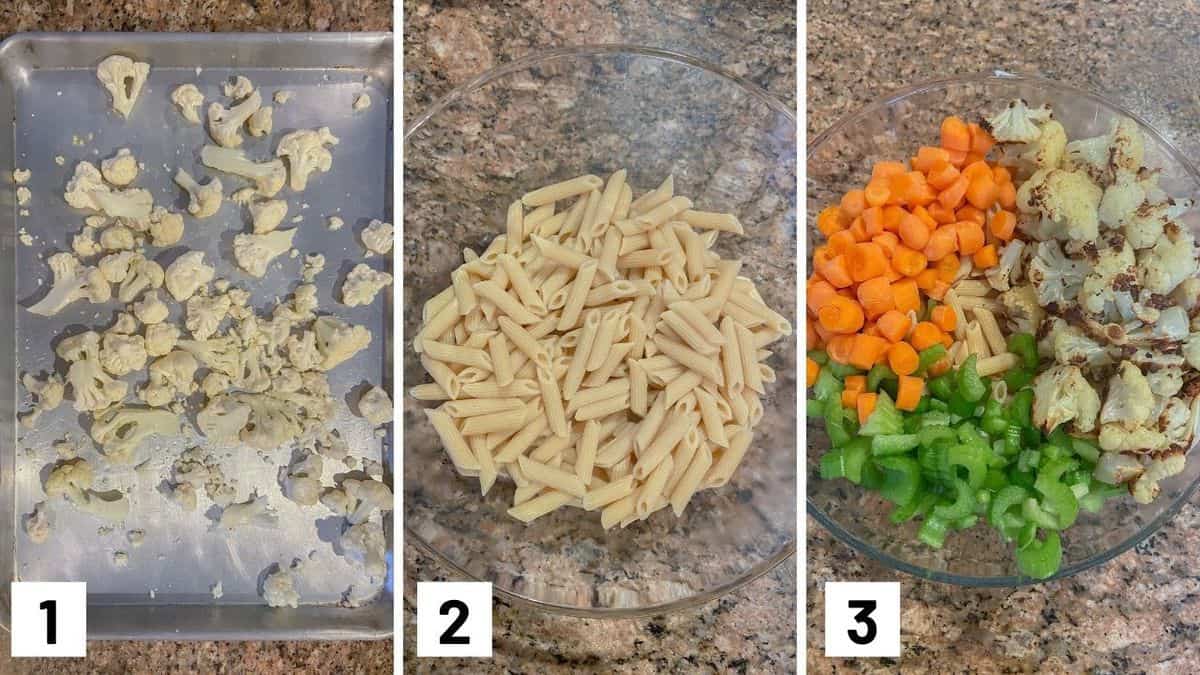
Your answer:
<point x="1141" y="611"/>
<point x="752" y="629"/>
<point x="214" y="15"/>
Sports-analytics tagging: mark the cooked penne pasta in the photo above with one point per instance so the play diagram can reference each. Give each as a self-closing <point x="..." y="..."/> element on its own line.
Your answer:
<point x="539" y="506"/>
<point x="562" y="190"/>
<point x="725" y="222"/>
<point x="471" y="407"/>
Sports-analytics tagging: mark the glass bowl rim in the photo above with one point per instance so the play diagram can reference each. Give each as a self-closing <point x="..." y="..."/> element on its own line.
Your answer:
<point x="857" y="543"/>
<point x="566" y="53"/>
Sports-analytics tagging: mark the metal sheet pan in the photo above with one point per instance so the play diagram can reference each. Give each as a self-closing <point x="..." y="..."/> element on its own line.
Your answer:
<point x="50" y="98"/>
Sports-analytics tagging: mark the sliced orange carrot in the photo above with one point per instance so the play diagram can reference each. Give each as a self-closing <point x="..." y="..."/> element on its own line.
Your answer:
<point x="812" y="336"/>
<point x="854" y="382"/>
<point x="986" y="257"/>
<point x="838" y="348"/>
<point x="923" y="213"/>
<point x="959" y="158"/>
<point x="1003" y="225"/>
<point x="875" y="296"/>
<point x="982" y="191"/>
<point x="892" y="215"/>
<point x="941" y="214"/>
<point x="869" y="328"/>
<point x="812" y="370"/>
<point x="877" y="193"/>
<point x="892" y="275"/>
<point x="1008" y="196"/>
<point x="1001" y="175"/>
<point x="981" y="140"/>
<point x="873" y="220"/>
<point x="818" y="294"/>
<point x="841" y="315"/>
<point x="841" y="242"/>
<point x="830" y="220"/>
<point x="972" y="157"/>
<point x="893" y="325"/>
<point x="929" y="156"/>
<point x="947" y="268"/>
<point x="938" y="291"/>
<point x="885" y="169"/>
<point x="853" y="203"/>
<point x="922" y="195"/>
<point x="865" y="406"/>
<point x="823" y="335"/>
<point x="907" y="261"/>
<point x="902" y="359"/>
<point x="909" y="392"/>
<point x="943" y="175"/>
<point x="943" y="317"/>
<point x="970" y="213"/>
<point x="942" y="243"/>
<point x="926" y="279"/>
<point x="924" y="335"/>
<point x="976" y="169"/>
<point x="952" y="197"/>
<point x="850" y="398"/>
<point x="970" y="236"/>
<point x="888" y="242"/>
<point x="956" y="135"/>
<point x="866" y="261"/>
<point x="867" y="350"/>
<point x="833" y="268"/>
<point x="858" y="230"/>
<point x="913" y="232"/>
<point x="907" y="296"/>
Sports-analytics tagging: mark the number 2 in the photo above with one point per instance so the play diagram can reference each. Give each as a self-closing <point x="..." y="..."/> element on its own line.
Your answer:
<point x="448" y="637"/>
<point x="51" y="607"/>
<point x="864" y="607"/>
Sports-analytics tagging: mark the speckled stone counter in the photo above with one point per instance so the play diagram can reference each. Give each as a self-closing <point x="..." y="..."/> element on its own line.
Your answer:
<point x="749" y="630"/>
<point x="213" y="15"/>
<point x="1140" y="612"/>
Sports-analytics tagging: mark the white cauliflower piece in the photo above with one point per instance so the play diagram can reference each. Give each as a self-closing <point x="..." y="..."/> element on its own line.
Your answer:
<point x="254" y="252"/>
<point x="1073" y="346"/>
<point x="375" y="406"/>
<point x="1145" y="226"/>
<point x="69" y="479"/>
<point x="1129" y="401"/>
<point x="84" y="243"/>
<point x="205" y="314"/>
<point x="302" y="479"/>
<point x="188" y="99"/>
<point x="1146" y="488"/>
<point x="1017" y="122"/>
<point x="267" y="214"/>
<point x="1068" y="199"/>
<point x="222" y="354"/>
<point x="273" y="421"/>
<point x="224" y="124"/>
<point x="366" y="544"/>
<point x="203" y="200"/>
<point x="87" y="190"/>
<point x="187" y="275"/>
<point x="1116" y="468"/>
<point x="215" y="384"/>
<point x="1047" y="151"/>
<point x="123" y="78"/>
<point x="117" y="238"/>
<point x="337" y="340"/>
<point x="120" y="431"/>
<point x="223" y="418"/>
<point x="48" y="393"/>
<point x="1170" y="326"/>
<point x="1169" y="262"/>
<point x="1118" y="438"/>
<point x="151" y="309"/>
<point x="143" y="275"/>
<point x="1056" y="277"/>
<point x="314" y="264"/>
<point x="37" y="523"/>
<point x="1165" y="382"/>
<point x="240" y="87"/>
<point x="362" y="284"/>
<point x="170" y="376"/>
<point x="358" y="499"/>
<point x="268" y="177"/>
<point x="72" y="281"/>
<point x="305" y="152"/>
<point x="255" y="512"/>
<point x="1113" y="274"/>
<point x="1008" y="270"/>
<point x="261" y="122"/>
<point x="361" y="102"/>
<point x="114" y="267"/>
<point x="161" y="338"/>
<point x="1101" y="156"/>
<point x="166" y="228"/>
<point x="122" y="354"/>
<point x="121" y="169"/>
<point x="1021" y="308"/>
<point x="1062" y="394"/>
<point x="377" y="237"/>
<point x="279" y="589"/>
<point x="1121" y="199"/>
<point x="302" y="351"/>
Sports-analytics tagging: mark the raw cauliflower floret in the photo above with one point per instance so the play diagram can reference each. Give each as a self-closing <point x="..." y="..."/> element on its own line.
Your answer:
<point x="1101" y="156"/>
<point x="170" y="376"/>
<point x="377" y="237"/>
<point x="303" y="353"/>
<point x="305" y="152"/>
<point x="362" y="284"/>
<point x="267" y="214"/>
<point x="114" y="267"/>
<point x="365" y="543"/>
<point x="255" y="512"/>
<point x="302" y="479"/>
<point x="37" y="524"/>
<point x="254" y="252"/>
<point x="338" y="341"/>
<point x="268" y="177"/>
<point x="375" y="406"/>
<point x="87" y="190"/>
<point x="72" y="281"/>
<point x="48" y="393"/>
<point x="1017" y="123"/>
<point x="151" y="309"/>
<point x="91" y="387"/>
<point x="224" y="124"/>
<point x="279" y="589"/>
<point x="166" y="228"/>
<point x="161" y="338"/>
<point x="273" y="420"/>
<point x="1146" y="488"/>
<point x="205" y="314"/>
<point x="223" y="418"/>
<point x="119" y="431"/>
<point x="1169" y="262"/>
<point x="261" y="122"/>
<point x="188" y="99"/>
<point x="1129" y="400"/>
<point x="1068" y="199"/>
<point x="1113" y="274"/>
<point x="222" y="354"/>
<point x="124" y="324"/>
<point x="1062" y="394"/>
<point x="143" y="275"/>
<point x="121" y="169"/>
<point x="239" y="87"/>
<point x="314" y="264"/>
<point x="358" y="499"/>
<point x="203" y="200"/>
<point x="1047" y="151"/>
<point x="117" y="238"/>
<point x="1056" y="277"/>
<point x="187" y="275"/>
<point x="123" y="78"/>
<point x="84" y="243"/>
<point x="122" y="354"/>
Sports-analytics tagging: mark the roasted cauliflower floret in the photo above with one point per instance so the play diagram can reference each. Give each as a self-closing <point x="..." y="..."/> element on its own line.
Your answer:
<point x="302" y="479"/>
<point x="1073" y="346"/>
<point x="1056" y="277"/>
<point x="1146" y="488"/>
<point x="1101" y="156"/>
<point x="1062" y="394"/>
<point x="1017" y="122"/>
<point x="1129" y="400"/>
<point x="1068" y="199"/>
<point x="1022" y="309"/>
<point x="1169" y="262"/>
<point x="1113" y="274"/>
<point x="165" y="228"/>
<point x="48" y="393"/>
<point x="1047" y="151"/>
<point x="1146" y="224"/>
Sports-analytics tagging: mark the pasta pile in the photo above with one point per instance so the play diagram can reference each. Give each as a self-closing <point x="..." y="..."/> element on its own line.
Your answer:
<point x="601" y="357"/>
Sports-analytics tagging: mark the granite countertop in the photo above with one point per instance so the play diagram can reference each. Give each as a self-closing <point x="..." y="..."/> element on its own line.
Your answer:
<point x="215" y="15"/>
<point x="749" y="630"/>
<point x="1141" y="611"/>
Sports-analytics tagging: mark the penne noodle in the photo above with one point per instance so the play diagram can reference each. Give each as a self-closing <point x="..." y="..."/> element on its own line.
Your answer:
<point x="606" y="335"/>
<point x="585" y="457"/>
<point x="609" y="253"/>
<point x="723" y="468"/>
<point x="461" y="283"/>
<point x="691" y="359"/>
<point x="689" y="483"/>
<point x="997" y="364"/>
<point x="680" y="386"/>
<point x="552" y="400"/>
<point x="471" y="407"/>
<point x="608" y="202"/>
<point x="991" y="330"/>
<point x="525" y="342"/>
<point x="724" y="222"/>
<point x="603" y="496"/>
<point x="539" y="506"/>
<point x="501" y="363"/>
<point x="616" y="355"/>
<point x="672" y="431"/>
<point x="521" y="283"/>
<point x="651" y="199"/>
<point x="577" y="296"/>
<point x="750" y="373"/>
<point x="518" y="443"/>
<point x="515" y="225"/>
<point x="505" y="302"/>
<point x="651" y="491"/>
<point x="711" y="417"/>
<point x="507" y="420"/>
<point x="617" y="511"/>
<point x="444" y="377"/>
<point x="487" y="465"/>
<point x="639" y="390"/>
<point x="621" y="212"/>
<point x="458" y="354"/>
<point x="562" y="190"/>
<point x="493" y="389"/>
<point x="537" y="472"/>
<point x="430" y="391"/>
<point x="452" y="440"/>
<point x="687" y="333"/>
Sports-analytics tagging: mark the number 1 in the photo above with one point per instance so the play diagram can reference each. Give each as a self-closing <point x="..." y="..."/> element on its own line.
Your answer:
<point x="51" y="610"/>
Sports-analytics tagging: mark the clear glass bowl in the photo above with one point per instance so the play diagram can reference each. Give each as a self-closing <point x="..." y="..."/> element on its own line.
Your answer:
<point x="561" y="113"/>
<point x="840" y="159"/>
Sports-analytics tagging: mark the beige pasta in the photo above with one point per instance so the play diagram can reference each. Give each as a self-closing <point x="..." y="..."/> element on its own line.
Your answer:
<point x="563" y="190"/>
<point x="544" y="474"/>
<point x="507" y="304"/>
<point x="539" y="506"/>
<point x="725" y="222"/>
<point x="472" y="407"/>
<point x="452" y="440"/>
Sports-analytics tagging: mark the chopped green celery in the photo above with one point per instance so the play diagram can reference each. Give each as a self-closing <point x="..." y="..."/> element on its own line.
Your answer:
<point x="1034" y="512"/>
<point x="1078" y="477"/>
<point x="833" y="465"/>
<point x="901" y="480"/>
<point x="1024" y="345"/>
<point x="1057" y="497"/>
<point x="892" y="387"/>
<point x="992" y="407"/>
<point x="878" y="373"/>
<point x="933" y="531"/>
<point x="818" y="355"/>
<point x="1028" y="460"/>
<point x="1059" y="437"/>
<point x="912" y="423"/>
<point x="963" y="504"/>
<point x="1086" y="449"/>
<point x="1051" y="452"/>
<point x="922" y="405"/>
<point x="1004" y="500"/>
<point x="994" y="425"/>
<point x="893" y="444"/>
<point x="1020" y="408"/>
<point x="1031" y="436"/>
<point x="1012" y="441"/>
<point x="827" y="386"/>
<point x="983" y="499"/>
<point x="966" y="522"/>
<point x="959" y="405"/>
<point x="842" y="369"/>
<point x="937" y="405"/>
<point x="930" y="435"/>
<point x="932" y="459"/>
<point x="1017" y="378"/>
<point x="1080" y="490"/>
<point x="835" y="424"/>
<point x="928" y="357"/>
<point x="1023" y="478"/>
<point x="995" y="480"/>
<point x="970" y="385"/>
<point x="854" y="456"/>
<point x="1098" y="493"/>
<point x="884" y="420"/>
<point x="941" y="387"/>
<point x="1041" y="558"/>
<point x="814" y="408"/>
<point x="970" y="458"/>
<point x="872" y="475"/>
<point x="969" y="433"/>
<point x="937" y="418"/>
<point x="1026" y="534"/>
<point x="919" y="506"/>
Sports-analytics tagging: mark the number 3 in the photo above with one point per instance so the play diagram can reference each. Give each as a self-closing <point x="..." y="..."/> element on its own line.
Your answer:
<point x="864" y="607"/>
<point x="460" y="617"/>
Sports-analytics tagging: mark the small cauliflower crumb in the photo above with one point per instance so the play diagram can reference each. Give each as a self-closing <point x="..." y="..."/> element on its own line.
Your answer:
<point x="136" y="537"/>
<point x="60" y="160"/>
<point x="283" y="96"/>
<point x="217" y="590"/>
<point x="335" y="223"/>
<point x="23" y="195"/>
<point x="25" y="238"/>
<point x="377" y="237"/>
<point x="361" y="102"/>
<point x="21" y="176"/>
<point x="120" y="559"/>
